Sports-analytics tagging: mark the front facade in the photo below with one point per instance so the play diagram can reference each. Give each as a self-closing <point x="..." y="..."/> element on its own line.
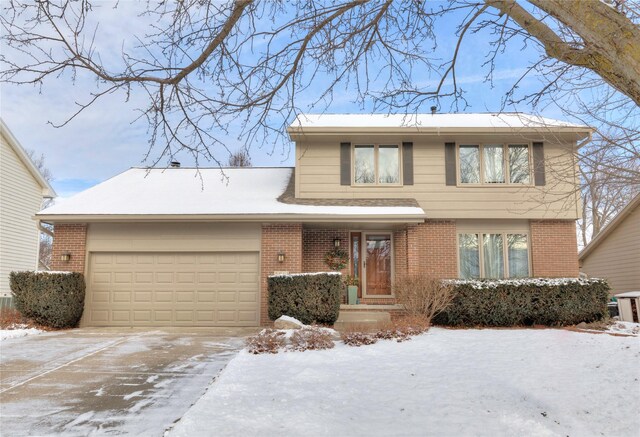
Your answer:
<point x="614" y="254"/>
<point x="465" y="195"/>
<point x="22" y="190"/>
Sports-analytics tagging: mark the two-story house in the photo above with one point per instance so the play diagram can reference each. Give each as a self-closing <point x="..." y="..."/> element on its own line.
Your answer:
<point x="450" y="195"/>
<point x="22" y="191"/>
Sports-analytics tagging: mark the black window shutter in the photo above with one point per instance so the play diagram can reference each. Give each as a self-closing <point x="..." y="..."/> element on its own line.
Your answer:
<point x="407" y="163"/>
<point x="538" y="164"/>
<point x="450" y="163"/>
<point x="345" y="163"/>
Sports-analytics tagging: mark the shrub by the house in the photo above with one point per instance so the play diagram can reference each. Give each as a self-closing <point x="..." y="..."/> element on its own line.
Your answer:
<point x="50" y="299"/>
<point x="423" y="296"/>
<point x="522" y="302"/>
<point x="308" y="297"/>
<point x="267" y="341"/>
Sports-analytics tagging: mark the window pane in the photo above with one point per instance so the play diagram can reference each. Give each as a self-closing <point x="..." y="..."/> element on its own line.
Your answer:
<point x="519" y="164"/>
<point x="493" y="157"/>
<point x="469" y="256"/>
<point x="469" y="165"/>
<point x="518" y="255"/>
<point x="364" y="165"/>
<point x="493" y="255"/>
<point x="388" y="165"/>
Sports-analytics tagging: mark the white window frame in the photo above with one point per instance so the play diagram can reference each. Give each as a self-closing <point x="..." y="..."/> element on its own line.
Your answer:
<point x="505" y="163"/>
<point x="376" y="147"/>
<point x="505" y="251"/>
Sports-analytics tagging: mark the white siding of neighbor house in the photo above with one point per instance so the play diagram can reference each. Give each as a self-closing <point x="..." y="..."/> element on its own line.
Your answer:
<point x="20" y="199"/>
<point x="318" y="176"/>
<point x="617" y="257"/>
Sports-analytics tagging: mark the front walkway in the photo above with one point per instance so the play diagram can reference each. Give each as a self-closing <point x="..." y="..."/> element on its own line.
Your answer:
<point x="108" y="381"/>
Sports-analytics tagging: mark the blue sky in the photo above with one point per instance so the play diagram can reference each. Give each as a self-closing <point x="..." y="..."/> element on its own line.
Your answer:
<point x="106" y="139"/>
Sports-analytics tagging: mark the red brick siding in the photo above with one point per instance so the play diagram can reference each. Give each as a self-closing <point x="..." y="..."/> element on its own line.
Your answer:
<point x="276" y="238"/>
<point x="69" y="238"/>
<point x="431" y="249"/>
<point x="316" y="243"/>
<point x="554" y="248"/>
<point x="400" y="252"/>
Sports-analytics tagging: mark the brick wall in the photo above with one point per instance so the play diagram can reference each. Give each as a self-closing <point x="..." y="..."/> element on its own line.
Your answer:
<point x="69" y="238"/>
<point x="276" y="238"/>
<point x="431" y="249"/>
<point x="554" y="248"/>
<point x="400" y="252"/>
<point x="316" y="243"/>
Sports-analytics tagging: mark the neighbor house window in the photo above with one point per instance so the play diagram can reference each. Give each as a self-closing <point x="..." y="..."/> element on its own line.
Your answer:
<point x="376" y="164"/>
<point x="494" y="164"/>
<point x="493" y="255"/>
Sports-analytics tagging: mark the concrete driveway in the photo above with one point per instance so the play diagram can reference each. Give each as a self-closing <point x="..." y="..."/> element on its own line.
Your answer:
<point x="108" y="381"/>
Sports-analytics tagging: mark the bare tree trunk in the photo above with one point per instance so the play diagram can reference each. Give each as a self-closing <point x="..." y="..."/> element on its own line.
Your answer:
<point x="610" y="42"/>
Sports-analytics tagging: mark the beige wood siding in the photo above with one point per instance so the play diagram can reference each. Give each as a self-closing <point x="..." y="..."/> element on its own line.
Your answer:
<point x="617" y="257"/>
<point x="318" y="176"/>
<point x="20" y="199"/>
<point x="173" y="289"/>
<point x="172" y="237"/>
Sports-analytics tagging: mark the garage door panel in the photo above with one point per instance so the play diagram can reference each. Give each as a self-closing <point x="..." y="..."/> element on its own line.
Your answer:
<point x="162" y="316"/>
<point x="186" y="277"/>
<point x="165" y="289"/>
<point x="121" y="296"/>
<point x="205" y="296"/>
<point x="163" y="296"/>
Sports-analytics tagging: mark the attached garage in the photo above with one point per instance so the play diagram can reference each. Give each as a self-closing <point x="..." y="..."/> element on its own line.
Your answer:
<point x="170" y="274"/>
<point x="173" y="289"/>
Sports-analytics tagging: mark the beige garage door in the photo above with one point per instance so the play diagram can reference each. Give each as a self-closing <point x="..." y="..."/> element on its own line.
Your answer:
<point x="172" y="289"/>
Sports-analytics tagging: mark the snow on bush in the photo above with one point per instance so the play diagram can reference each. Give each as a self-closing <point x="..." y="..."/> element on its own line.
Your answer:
<point x="267" y="341"/>
<point x="311" y="338"/>
<point x="272" y="341"/>
<point x="296" y="275"/>
<point x="480" y="284"/>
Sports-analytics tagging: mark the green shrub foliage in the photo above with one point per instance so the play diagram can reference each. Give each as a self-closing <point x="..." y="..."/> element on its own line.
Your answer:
<point x="50" y="299"/>
<point x="309" y="297"/>
<point x="522" y="302"/>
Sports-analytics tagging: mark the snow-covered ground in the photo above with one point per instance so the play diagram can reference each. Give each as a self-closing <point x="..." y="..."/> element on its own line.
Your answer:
<point x="628" y="328"/>
<point x="17" y="331"/>
<point x="443" y="383"/>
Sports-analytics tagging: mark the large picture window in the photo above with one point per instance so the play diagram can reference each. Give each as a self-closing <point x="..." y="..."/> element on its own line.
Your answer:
<point x="494" y="164"/>
<point x="493" y="255"/>
<point x="376" y="164"/>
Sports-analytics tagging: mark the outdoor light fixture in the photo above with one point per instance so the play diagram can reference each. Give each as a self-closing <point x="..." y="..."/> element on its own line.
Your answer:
<point x="336" y="242"/>
<point x="65" y="257"/>
<point x="281" y="257"/>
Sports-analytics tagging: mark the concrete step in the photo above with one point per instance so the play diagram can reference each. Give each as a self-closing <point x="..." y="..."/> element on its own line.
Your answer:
<point x="361" y="319"/>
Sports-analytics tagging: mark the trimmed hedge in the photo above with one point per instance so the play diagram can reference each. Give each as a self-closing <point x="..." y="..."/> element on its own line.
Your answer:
<point x="518" y="302"/>
<point x="50" y="299"/>
<point x="309" y="297"/>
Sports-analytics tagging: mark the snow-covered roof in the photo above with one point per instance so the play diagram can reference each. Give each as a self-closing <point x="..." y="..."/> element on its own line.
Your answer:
<point x="242" y="193"/>
<point x="425" y="122"/>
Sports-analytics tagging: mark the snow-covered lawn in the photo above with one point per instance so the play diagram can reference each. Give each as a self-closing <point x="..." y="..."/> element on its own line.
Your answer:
<point x="17" y="331"/>
<point x="442" y="383"/>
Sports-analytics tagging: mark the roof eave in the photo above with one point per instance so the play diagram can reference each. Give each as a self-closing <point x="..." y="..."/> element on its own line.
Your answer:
<point x="248" y="218"/>
<point x="295" y="131"/>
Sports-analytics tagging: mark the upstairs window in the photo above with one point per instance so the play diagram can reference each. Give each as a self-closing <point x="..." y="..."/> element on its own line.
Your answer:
<point x="493" y="255"/>
<point x="494" y="164"/>
<point x="376" y="164"/>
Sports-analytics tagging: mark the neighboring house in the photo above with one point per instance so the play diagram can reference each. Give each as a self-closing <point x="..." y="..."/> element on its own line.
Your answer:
<point x="450" y="195"/>
<point x="22" y="190"/>
<point x="614" y="254"/>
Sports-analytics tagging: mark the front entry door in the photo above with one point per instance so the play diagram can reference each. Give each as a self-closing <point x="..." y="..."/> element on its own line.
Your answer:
<point x="378" y="264"/>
